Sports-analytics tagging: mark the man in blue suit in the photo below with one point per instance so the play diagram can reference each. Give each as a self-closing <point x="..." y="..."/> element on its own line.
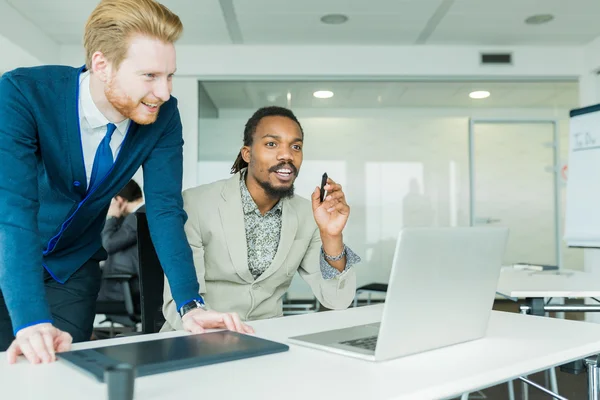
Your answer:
<point x="71" y="138"/>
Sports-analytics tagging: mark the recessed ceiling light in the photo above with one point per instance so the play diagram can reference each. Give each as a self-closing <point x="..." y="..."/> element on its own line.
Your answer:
<point x="334" y="19"/>
<point x="539" y="19"/>
<point x="323" y="94"/>
<point x="479" y="94"/>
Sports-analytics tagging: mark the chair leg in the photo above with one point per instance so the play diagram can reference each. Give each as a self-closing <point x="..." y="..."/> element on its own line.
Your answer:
<point x="465" y="396"/>
<point x="356" y="295"/>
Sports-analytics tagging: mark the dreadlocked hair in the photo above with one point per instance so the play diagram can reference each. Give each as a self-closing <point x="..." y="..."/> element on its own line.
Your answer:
<point x="250" y="129"/>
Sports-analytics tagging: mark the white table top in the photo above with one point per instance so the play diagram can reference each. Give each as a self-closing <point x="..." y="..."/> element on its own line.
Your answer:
<point x="515" y="345"/>
<point x="563" y="283"/>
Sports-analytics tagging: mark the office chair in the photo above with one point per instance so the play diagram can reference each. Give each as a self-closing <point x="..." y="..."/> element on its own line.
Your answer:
<point x="126" y="312"/>
<point x="291" y="307"/>
<point x="370" y="289"/>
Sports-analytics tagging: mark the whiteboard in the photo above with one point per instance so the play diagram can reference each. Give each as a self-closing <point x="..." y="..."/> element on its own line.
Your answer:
<point x="582" y="219"/>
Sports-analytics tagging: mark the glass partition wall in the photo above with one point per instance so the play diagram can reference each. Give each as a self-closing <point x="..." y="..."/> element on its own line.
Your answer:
<point x="401" y="150"/>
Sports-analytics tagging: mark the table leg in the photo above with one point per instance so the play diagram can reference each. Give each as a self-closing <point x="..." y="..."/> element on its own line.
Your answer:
<point x="511" y="390"/>
<point x="553" y="380"/>
<point x="524" y="387"/>
<point x="559" y="301"/>
<point x="592" y="367"/>
<point x="524" y="390"/>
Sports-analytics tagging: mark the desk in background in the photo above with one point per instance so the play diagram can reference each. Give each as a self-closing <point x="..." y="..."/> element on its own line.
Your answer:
<point x="537" y="287"/>
<point x="521" y="284"/>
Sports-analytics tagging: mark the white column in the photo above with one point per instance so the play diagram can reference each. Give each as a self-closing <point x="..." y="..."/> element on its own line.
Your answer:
<point x="186" y="92"/>
<point x="589" y="89"/>
<point x="589" y="94"/>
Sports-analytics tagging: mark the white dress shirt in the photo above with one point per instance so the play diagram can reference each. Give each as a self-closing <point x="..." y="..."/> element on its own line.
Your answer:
<point x="138" y="207"/>
<point x="92" y="124"/>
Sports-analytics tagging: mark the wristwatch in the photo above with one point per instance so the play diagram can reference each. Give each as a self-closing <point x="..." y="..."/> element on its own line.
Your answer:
<point x="192" y="305"/>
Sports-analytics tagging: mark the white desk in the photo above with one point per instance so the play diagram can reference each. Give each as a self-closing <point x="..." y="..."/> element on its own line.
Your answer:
<point x="539" y="284"/>
<point x="515" y="345"/>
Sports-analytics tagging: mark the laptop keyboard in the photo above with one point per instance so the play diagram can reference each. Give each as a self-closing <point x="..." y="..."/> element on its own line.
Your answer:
<point x="367" y="343"/>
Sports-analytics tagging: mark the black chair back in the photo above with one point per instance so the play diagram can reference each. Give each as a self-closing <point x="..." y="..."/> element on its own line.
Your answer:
<point x="151" y="278"/>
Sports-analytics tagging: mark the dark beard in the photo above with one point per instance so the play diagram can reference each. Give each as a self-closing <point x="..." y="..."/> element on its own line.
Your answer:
<point x="276" y="193"/>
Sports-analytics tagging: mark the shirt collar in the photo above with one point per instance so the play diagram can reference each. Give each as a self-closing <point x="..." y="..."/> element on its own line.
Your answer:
<point x="248" y="204"/>
<point x="91" y="114"/>
<point x="138" y="207"/>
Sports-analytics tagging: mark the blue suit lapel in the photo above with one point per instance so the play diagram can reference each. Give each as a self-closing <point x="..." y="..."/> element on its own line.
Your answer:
<point x="73" y="132"/>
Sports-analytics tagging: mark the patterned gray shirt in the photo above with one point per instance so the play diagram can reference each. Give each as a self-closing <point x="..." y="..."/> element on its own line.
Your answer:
<point x="263" y="233"/>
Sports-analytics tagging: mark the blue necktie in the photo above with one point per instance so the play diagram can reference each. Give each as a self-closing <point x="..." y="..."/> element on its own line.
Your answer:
<point x="103" y="161"/>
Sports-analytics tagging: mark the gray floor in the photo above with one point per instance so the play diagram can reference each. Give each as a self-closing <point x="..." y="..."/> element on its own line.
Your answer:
<point x="573" y="387"/>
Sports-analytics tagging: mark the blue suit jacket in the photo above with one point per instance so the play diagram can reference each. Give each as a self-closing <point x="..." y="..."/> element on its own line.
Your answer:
<point x="48" y="217"/>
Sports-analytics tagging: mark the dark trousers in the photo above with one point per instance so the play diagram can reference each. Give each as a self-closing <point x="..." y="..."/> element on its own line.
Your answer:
<point x="72" y="304"/>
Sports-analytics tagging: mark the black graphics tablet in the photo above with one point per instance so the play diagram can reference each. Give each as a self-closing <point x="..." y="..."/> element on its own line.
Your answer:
<point x="171" y="354"/>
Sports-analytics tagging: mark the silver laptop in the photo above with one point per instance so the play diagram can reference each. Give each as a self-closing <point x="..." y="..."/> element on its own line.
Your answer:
<point x="441" y="292"/>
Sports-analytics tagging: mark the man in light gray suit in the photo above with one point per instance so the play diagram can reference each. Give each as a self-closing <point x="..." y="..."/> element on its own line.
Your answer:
<point x="250" y="234"/>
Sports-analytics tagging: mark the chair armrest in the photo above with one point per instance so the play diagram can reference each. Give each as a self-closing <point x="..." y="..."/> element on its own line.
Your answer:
<point x="125" y="334"/>
<point x="118" y="277"/>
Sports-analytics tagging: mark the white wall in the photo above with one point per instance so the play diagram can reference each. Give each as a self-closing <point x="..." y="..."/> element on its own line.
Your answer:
<point x="378" y="62"/>
<point x="186" y="92"/>
<point x="13" y="56"/>
<point x="591" y="57"/>
<point x="399" y="168"/>
<point x="26" y="38"/>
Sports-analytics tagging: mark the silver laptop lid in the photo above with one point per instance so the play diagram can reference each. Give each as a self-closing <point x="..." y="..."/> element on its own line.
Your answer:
<point x="441" y="288"/>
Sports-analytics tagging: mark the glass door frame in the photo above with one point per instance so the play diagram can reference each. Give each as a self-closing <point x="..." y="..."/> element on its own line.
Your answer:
<point x="555" y="171"/>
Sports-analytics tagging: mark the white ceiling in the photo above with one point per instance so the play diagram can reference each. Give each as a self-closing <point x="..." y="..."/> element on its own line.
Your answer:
<point x="399" y="22"/>
<point x="252" y="95"/>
